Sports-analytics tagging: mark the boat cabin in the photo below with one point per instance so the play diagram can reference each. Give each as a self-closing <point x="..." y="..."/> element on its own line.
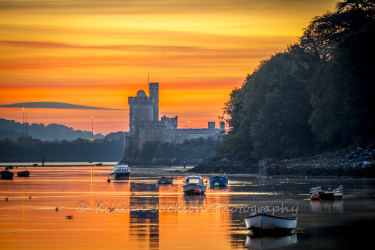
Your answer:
<point x="121" y="168"/>
<point x="194" y="180"/>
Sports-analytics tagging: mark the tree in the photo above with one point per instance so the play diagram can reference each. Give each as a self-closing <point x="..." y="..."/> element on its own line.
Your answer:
<point x="326" y="30"/>
<point x="343" y="104"/>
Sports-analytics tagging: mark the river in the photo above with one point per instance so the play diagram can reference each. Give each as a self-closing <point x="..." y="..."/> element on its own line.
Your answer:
<point x="76" y="208"/>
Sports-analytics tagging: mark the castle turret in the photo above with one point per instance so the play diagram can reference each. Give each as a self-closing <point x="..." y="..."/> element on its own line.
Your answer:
<point x="154" y="95"/>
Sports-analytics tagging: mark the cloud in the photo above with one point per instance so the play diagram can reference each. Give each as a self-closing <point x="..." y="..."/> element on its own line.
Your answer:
<point x="52" y="105"/>
<point x="56" y="45"/>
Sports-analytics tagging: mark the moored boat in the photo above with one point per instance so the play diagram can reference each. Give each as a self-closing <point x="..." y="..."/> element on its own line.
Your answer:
<point x="6" y="175"/>
<point x="120" y="172"/>
<point x="23" y="174"/>
<point x="329" y="194"/>
<point x="260" y="222"/>
<point x="194" y="185"/>
<point x="218" y="181"/>
<point x="165" y="180"/>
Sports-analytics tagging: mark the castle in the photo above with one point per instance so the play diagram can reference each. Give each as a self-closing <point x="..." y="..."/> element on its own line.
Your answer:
<point x="145" y="125"/>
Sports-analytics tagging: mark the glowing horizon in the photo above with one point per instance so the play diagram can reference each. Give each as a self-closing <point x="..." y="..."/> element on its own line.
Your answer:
<point x="95" y="53"/>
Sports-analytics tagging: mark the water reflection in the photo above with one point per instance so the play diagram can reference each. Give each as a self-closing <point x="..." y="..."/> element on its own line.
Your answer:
<point x="139" y="214"/>
<point x="212" y="187"/>
<point x="194" y="199"/>
<point x="327" y="205"/>
<point x="269" y="242"/>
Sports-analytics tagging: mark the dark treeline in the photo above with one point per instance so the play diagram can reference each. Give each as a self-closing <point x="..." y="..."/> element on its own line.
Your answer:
<point x="34" y="150"/>
<point x="192" y="151"/>
<point x="12" y="130"/>
<point x="316" y="96"/>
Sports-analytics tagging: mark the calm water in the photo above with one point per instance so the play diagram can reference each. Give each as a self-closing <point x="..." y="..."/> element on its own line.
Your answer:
<point x="147" y="216"/>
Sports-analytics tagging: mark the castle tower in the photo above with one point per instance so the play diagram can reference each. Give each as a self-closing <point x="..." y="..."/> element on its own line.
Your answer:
<point x="141" y="109"/>
<point x="154" y="95"/>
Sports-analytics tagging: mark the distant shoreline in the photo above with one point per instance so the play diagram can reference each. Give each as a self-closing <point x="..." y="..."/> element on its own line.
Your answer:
<point x="57" y="164"/>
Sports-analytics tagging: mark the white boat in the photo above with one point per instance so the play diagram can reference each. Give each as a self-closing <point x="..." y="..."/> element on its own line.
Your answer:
<point x="120" y="172"/>
<point x="270" y="222"/>
<point x="194" y="185"/>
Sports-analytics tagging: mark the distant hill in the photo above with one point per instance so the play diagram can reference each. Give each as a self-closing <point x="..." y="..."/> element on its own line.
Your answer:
<point x="12" y="130"/>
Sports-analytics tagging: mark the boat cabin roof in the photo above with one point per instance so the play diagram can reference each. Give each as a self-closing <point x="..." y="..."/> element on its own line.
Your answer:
<point x="120" y="167"/>
<point x="194" y="177"/>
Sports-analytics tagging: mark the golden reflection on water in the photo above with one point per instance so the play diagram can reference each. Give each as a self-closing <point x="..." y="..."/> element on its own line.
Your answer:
<point x="75" y="207"/>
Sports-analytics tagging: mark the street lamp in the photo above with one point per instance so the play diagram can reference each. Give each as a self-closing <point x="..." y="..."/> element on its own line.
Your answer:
<point x="92" y="127"/>
<point x="23" y="122"/>
<point x="26" y="122"/>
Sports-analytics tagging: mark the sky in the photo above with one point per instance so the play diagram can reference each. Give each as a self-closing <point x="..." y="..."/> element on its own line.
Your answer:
<point x="98" y="53"/>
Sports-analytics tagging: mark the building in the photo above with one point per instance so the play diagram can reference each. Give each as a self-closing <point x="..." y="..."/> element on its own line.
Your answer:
<point x="145" y="125"/>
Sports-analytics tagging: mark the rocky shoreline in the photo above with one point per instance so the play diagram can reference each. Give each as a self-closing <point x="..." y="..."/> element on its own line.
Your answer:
<point x="360" y="163"/>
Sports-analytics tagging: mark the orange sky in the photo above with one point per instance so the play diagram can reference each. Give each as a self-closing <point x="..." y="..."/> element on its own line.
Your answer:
<point x="97" y="53"/>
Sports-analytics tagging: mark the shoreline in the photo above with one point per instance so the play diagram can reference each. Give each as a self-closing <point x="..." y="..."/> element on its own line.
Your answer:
<point x="57" y="164"/>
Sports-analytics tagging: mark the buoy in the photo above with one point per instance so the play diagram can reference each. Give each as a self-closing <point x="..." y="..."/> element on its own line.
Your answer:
<point x="315" y="196"/>
<point x="57" y="209"/>
<point x="6" y="199"/>
<point x="108" y="180"/>
<point x="29" y="197"/>
<point x="69" y="217"/>
<point x="197" y="191"/>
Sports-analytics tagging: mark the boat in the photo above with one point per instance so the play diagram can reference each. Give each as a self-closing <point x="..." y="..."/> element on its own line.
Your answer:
<point x="165" y="180"/>
<point x="120" y="172"/>
<point x="23" y="174"/>
<point x="194" y="185"/>
<point x="218" y="180"/>
<point x="265" y="222"/>
<point x="329" y="194"/>
<point x="6" y="175"/>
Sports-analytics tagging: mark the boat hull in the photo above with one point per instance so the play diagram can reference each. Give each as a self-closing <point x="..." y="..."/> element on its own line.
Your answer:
<point x="270" y="222"/>
<point x="218" y="181"/>
<point x="192" y="188"/>
<point x="120" y="176"/>
<point x="326" y="195"/>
